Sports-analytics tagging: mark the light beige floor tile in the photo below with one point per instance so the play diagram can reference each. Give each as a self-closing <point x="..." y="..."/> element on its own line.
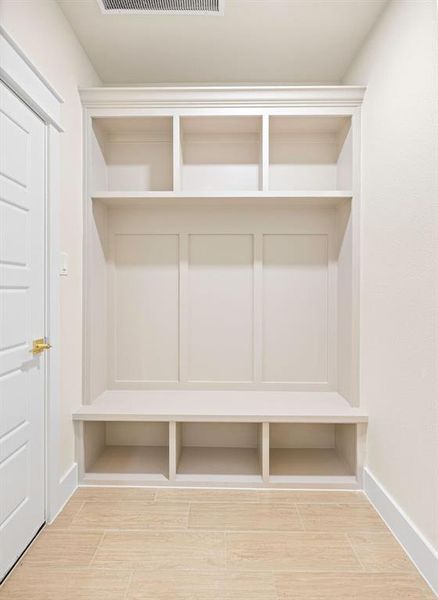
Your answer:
<point x="293" y="551"/>
<point x="340" y="517"/>
<point x="199" y="585"/>
<point x="259" y="496"/>
<point x="131" y="515"/>
<point x="63" y="548"/>
<point x="114" y="494"/>
<point x="345" y="553"/>
<point x="161" y="550"/>
<point x="380" y="553"/>
<point x="206" y="495"/>
<point x="65" y="518"/>
<point x="326" y="497"/>
<point x="363" y="586"/>
<point x="242" y="516"/>
<point x="41" y="583"/>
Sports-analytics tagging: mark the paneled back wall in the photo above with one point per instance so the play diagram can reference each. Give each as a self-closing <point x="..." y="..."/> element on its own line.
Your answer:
<point x="219" y="296"/>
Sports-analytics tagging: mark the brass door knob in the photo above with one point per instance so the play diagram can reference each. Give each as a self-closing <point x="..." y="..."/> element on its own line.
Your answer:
<point x="39" y="346"/>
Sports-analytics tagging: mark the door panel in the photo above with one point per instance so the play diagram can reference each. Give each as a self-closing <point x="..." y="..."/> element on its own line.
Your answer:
<point x="22" y="284"/>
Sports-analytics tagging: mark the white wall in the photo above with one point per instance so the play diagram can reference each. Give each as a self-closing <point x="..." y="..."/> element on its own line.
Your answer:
<point x="41" y="30"/>
<point x="399" y="350"/>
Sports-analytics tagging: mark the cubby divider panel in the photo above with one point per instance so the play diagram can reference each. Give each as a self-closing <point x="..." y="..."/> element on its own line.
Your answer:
<point x="219" y="452"/>
<point x="127" y="451"/>
<point x="312" y="451"/>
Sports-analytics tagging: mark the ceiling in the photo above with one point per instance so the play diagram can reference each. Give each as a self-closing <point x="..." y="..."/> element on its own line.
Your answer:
<point x="256" y="41"/>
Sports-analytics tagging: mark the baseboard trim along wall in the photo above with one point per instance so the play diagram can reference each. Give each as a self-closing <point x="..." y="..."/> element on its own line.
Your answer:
<point x="66" y="488"/>
<point x="417" y="547"/>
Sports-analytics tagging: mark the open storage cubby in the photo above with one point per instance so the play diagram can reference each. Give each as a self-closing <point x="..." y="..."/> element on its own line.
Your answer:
<point x="310" y="153"/>
<point x="132" y="154"/>
<point x="312" y="450"/>
<point x="221" y="153"/>
<point x="219" y="452"/>
<point x="129" y="452"/>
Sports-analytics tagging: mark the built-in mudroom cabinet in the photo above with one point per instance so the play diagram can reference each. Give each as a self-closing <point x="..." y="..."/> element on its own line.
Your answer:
<point x="221" y="289"/>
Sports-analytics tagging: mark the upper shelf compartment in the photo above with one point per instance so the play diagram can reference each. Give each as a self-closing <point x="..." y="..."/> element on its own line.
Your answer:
<point x="132" y="154"/>
<point x="310" y="153"/>
<point x="221" y="153"/>
<point x="220" y="156"/>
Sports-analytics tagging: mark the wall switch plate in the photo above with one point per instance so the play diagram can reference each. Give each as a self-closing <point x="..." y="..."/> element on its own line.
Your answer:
<point x="64" y="264"/>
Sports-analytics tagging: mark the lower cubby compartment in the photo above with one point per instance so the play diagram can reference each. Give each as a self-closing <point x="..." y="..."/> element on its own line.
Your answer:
<point x="126" y="452"/>
<point x="215" y="452"/>
<point x="312" y="452"/>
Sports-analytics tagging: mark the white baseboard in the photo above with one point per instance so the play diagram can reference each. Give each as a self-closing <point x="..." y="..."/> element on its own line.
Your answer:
<point x="422" y="554"/>
<point x="66" y="488"/>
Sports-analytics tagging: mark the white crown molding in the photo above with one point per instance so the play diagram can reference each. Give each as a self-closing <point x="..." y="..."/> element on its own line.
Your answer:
<point x="23" y="77"/>
<point x="224" y="96"/>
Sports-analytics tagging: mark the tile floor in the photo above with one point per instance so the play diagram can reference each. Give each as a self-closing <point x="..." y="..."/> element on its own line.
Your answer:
<point x="179" y="544"/>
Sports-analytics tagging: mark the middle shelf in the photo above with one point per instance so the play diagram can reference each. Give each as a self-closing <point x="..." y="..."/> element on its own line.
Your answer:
<point x="315" y="198"/>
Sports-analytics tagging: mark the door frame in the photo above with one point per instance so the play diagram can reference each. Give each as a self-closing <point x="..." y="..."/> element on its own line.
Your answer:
<point x="19" y="73"/>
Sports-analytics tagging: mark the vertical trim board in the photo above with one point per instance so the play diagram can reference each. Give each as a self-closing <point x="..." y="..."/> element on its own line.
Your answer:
<point x="183" y="307"/>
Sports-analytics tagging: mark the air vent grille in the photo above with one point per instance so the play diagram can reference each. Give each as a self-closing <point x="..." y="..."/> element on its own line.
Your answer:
<point x="158" y="6"/>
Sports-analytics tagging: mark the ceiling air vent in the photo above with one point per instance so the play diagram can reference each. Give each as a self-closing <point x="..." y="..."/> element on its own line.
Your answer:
<point x="210" y="7"/>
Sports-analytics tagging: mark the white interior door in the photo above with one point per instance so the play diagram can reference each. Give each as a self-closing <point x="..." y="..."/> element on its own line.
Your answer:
<point x="22" y="297"/>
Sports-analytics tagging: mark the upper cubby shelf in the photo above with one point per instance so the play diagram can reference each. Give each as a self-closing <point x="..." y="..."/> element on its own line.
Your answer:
<point x="310" y="153"/>
<point x="221" y="153"/>
<point x="220" y="156"/>
<point x="132" y="154"/>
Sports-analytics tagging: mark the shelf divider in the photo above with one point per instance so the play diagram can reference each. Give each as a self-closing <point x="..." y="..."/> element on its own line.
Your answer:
<point x="183" y="361"/>
<point x="176" y="154"/>
<point x="265" y="452"/>
<point x="174" y="449"/>
<point x="265" y="153"/>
